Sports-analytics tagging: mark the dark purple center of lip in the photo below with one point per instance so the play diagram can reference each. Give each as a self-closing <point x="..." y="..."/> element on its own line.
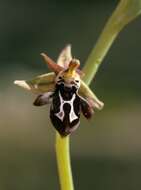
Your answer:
<point x="67" y="89"/>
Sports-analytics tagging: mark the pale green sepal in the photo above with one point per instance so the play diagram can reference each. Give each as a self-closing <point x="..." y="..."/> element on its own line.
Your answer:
<point x="87" y="93"/>
<point x="40" y="84"/>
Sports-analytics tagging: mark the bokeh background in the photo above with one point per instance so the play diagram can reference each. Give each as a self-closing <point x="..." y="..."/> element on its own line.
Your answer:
<point x="106" y="151"/>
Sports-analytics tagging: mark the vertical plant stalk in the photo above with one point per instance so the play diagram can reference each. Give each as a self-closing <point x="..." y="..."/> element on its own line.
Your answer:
<point x="125" y="12"/>
<point x="63" y="162"/>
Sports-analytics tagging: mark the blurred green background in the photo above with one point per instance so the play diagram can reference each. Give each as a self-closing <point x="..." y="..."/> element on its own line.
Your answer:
<point x="106" y="151"/>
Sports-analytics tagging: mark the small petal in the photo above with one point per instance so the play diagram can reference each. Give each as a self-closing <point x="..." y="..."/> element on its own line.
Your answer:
<point x="65" y="57"/>
<point x="51" y="64"/>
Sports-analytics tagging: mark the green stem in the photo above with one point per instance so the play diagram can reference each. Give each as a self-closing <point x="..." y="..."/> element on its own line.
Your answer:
<point x="63" y="162"/>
